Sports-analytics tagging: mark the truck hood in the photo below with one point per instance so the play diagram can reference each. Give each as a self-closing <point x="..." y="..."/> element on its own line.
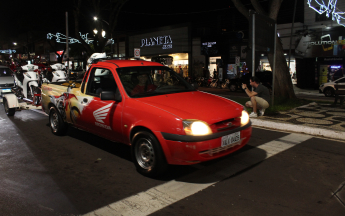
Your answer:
<point x="196" y="105"/>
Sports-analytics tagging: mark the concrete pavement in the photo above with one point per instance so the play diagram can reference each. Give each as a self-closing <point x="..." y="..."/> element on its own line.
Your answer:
<point x="317" y="118"/>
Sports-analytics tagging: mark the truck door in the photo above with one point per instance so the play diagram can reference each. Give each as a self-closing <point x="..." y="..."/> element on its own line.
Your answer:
<point x="101" y="117"/>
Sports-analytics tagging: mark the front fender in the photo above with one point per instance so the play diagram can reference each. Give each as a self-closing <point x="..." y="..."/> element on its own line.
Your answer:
<point x="33" y="83"/>
<point x="12" y="100"/>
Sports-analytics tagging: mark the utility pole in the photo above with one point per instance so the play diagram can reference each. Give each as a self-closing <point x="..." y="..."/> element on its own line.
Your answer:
<point x="67" y="37"/>
<point x="293" y="21"/>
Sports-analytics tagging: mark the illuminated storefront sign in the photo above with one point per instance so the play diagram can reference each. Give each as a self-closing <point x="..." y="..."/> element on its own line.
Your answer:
<point x="165" y="41"/>
<point x="330" y="9"/>
<point x="209" y="44"/>
<point x="335" y="67"/>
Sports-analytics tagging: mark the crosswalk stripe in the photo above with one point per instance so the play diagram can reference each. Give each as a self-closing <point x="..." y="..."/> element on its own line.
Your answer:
<point x="161" y="196"/>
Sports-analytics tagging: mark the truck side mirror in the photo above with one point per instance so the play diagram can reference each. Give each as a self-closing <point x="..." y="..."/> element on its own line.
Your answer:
<point x="107" y="95"/>
<point x="110" y="95"/>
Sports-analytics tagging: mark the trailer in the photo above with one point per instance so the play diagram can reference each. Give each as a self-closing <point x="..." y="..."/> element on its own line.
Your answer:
<point x="12" y="102"/>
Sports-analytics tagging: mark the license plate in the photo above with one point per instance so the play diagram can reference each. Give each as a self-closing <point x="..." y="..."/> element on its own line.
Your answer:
<point x="231" y="138"/>
<point x="6" y="90"/>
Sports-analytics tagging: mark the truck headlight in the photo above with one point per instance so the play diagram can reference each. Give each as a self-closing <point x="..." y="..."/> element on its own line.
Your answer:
<point x="244" y="118"/>
<point x="196" y="127"/>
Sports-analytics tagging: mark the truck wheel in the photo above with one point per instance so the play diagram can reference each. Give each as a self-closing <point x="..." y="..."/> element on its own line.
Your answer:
<point x="148" y="155"/>
<point x="329" y="92"/>
<point x="9" y="111"/>
<point x="57" y="125"/>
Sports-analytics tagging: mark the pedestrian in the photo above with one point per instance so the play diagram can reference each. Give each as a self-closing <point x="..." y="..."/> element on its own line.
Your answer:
<point x="215" y="74"/>
<point x="180" y="71"/>
<point x="259" y="97"/>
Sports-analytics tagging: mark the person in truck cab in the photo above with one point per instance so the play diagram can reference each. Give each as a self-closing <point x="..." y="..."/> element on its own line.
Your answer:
<point x="143" y="85"/>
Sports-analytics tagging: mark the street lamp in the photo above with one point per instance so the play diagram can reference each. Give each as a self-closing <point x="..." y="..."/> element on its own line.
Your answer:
<point x="96" y="31"/>
<point x="103" y="32"/>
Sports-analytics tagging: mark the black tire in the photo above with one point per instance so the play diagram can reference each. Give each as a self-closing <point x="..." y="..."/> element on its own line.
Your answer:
<point x="148" y="155"/>
<point x="329" y="92"/>
<point x="8" y="111"/>
<point x="233" y="87"/>
<point x="57" y="125"/>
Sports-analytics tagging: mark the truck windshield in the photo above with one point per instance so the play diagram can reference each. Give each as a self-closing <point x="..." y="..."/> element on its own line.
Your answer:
<point x="5" y="72"/>
<point x="147" y="81"/>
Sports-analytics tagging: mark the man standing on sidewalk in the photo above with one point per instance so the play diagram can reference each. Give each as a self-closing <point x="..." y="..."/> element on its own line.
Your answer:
<point x="259" y="97"/>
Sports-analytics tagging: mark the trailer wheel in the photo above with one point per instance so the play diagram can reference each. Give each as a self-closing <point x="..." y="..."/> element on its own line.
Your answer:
<point x="9" y="111"/>
<point x="57" y="125"/>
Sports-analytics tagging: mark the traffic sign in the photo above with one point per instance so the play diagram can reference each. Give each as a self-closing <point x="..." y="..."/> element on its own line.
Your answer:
<point x="136" y="53"/>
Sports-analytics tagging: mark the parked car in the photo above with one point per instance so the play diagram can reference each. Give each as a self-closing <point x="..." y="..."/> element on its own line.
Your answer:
<point x="328" y="88"/>
<point x="6" y="80"/>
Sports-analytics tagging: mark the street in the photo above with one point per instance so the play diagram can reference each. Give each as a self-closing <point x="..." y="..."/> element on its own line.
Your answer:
<point x="276" y="173"/>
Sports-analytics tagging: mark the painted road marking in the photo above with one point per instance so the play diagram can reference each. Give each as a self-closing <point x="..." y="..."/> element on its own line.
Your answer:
<point x="161" y="196"/>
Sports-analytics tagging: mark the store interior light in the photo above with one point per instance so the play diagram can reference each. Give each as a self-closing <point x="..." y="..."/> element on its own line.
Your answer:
<point x="262" y="54"/>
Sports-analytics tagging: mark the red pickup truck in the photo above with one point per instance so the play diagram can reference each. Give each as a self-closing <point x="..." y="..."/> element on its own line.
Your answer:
<point x="148" y="106"/>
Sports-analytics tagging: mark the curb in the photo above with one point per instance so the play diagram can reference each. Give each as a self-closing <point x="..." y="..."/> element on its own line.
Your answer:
<point x="299" y="129"/>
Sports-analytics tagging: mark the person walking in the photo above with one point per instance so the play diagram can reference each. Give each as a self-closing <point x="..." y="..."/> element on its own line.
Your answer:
<point x="215" y="74"/>
<point x="259" y="97"/>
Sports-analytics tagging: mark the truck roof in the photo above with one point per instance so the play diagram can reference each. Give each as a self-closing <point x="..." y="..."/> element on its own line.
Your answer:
<point x="128" y="63"/>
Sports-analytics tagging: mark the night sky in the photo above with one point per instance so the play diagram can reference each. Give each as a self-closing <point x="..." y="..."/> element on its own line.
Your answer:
<point x="49" y="16"/>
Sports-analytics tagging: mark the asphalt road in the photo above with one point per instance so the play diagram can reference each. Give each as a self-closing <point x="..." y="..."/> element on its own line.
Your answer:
<point x="277" y="173"/>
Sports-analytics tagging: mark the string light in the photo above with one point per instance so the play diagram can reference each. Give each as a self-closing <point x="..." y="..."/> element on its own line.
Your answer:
<point x="9" y="51"/>
<point x="61" y="38"/>
<point x="329" y="9"/>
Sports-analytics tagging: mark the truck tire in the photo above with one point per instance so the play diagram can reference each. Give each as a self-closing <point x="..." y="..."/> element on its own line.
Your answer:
<point x="8" y="111"/>
<point x="148" y="155"/>
<point x="57" y="125"/>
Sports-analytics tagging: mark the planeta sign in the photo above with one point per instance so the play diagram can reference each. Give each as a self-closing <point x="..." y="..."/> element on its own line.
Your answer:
<point x="164" y="41"/>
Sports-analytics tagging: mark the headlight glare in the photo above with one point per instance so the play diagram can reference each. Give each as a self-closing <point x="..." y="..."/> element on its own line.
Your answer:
<point x="244" y="118"/>
<point x="196" y="128"/>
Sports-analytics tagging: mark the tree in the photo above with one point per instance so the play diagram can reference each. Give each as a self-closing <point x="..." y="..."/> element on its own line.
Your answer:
<point x="107" y="13"/>
<point x="283" y="84"/>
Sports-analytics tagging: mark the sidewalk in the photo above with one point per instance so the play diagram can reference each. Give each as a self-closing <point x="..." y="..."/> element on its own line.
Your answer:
<point x="316" y="119"/>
